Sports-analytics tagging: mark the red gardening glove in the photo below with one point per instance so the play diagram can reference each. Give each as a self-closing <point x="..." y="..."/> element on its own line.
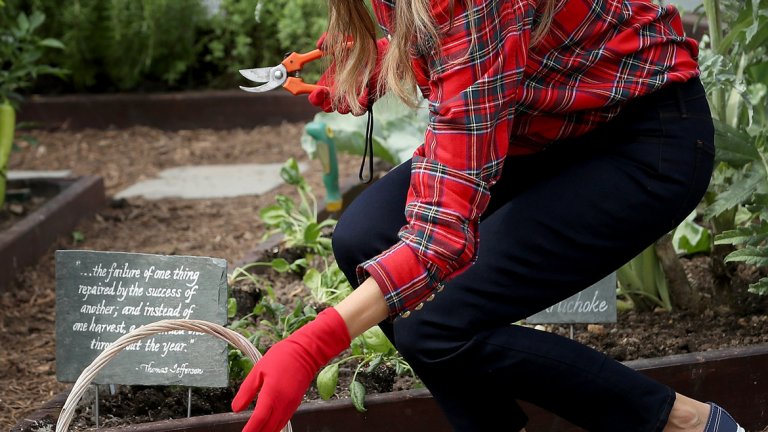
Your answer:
<point x="321" y="97"/>
<point x="283" y="375"/>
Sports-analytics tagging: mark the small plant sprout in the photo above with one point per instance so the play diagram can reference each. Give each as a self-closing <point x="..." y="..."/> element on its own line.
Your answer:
<point x="371" y="350"/>
<point x="297" y="222"/>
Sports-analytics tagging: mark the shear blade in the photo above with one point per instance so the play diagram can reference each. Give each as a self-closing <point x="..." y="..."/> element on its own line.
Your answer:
<point x="260" y="75"/>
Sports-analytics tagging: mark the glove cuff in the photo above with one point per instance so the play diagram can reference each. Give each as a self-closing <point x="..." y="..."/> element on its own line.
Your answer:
<point x="324" y="337"/>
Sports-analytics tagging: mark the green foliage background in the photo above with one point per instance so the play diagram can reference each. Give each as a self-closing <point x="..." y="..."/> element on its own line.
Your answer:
<point x="156" y="45"/>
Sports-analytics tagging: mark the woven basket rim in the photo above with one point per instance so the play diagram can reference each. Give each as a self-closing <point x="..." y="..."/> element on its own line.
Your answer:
<point x="89" y="373"/>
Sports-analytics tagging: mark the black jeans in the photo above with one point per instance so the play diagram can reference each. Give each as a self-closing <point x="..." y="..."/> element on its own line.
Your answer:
<point x="557" y="222"/>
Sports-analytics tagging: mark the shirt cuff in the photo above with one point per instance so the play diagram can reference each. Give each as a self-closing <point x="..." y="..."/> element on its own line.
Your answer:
<point x="403" y="279"/>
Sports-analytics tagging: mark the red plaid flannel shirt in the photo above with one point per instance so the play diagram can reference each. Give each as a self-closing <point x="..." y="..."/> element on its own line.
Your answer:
<point x="491" y="96"/>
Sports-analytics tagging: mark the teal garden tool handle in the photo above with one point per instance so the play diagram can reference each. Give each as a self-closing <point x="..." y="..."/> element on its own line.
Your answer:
<point x="326" y="152"/>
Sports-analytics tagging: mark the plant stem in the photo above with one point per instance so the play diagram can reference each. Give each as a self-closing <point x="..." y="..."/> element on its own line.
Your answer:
<point x="734" y="102"/>
<point x="712" y="10"/>
<point x="7" y="129"/>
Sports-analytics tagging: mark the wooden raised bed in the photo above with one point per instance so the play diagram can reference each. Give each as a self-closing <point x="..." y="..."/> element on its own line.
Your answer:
<point x="169" y="111"/>
<point x="25" y="242"/>
<point x="736" y="378"/>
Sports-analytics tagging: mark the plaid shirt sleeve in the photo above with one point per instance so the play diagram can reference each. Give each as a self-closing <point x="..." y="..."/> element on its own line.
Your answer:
<point x="473" y="81"/>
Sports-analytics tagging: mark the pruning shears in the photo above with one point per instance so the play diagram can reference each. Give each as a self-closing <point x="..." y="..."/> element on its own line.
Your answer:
<point x="286" y="74"/>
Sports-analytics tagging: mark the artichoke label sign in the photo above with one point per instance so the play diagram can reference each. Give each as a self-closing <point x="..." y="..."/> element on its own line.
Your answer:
<point x="101" y="296"/>
<point x="596" y="304"/>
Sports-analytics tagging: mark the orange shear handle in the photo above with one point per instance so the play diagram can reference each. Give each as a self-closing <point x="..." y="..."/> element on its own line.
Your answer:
<point x="295" y="62"/>
<point x="297" y="86"/>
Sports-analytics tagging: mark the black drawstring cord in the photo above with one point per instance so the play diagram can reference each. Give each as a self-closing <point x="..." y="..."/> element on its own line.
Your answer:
<point x="368" y="145"/>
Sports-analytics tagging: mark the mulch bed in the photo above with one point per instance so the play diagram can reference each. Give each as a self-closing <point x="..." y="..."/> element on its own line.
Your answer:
<point x="224" y="228"/>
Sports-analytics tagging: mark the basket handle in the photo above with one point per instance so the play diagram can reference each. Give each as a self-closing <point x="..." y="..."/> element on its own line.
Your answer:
<point x="89" y="373"/>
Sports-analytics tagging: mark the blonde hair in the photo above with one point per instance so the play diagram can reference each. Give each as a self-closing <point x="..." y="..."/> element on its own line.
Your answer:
<point x="412" y="30"/>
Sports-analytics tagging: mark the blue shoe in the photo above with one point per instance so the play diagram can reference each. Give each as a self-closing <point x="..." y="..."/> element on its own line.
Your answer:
<point x="720" y="421"/>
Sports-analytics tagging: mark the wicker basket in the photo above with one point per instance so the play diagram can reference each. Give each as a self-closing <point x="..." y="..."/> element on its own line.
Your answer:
<point x="85" y="378"/>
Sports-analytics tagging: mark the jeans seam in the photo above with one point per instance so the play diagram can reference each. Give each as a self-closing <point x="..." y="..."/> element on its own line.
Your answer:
<point x="666" y="410"/>
<point x="695" y="175"/>
<point x="692" y="183"/>
<point x="662" y="141"/>
<point x="681" y="103"/>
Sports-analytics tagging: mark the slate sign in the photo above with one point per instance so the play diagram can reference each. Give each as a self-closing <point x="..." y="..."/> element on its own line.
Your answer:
<point x="596" y="304"/>
<point x="101" y="296"/>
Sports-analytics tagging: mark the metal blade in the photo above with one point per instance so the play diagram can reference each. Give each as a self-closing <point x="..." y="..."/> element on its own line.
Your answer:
<point x="274" y="78"/>
<point x="260" y="75"/>
<point x="262" y="88"/>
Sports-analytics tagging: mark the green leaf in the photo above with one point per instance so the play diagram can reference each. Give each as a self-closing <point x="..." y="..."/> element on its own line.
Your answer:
<point x="310" y="312"/>
<point x="357" y="392"/>
<point x="327" y="380"/>
<point x="280" y="265"/>
<point x="357" y="346"/>
<point x="375" y="363"/>
<point x="245" y="364"/>
<point x="757" y="34"/>
<point x="752" y="235"/>
<point x="376" y="341"/>
<point x="750" y="255"/>
<point x="273" y="215"/>
<point x="311" y="232"/>
<point x="290" y="172"/>
<point x="760" y="287"/>
<point x="231" y="308"/>
<point x="739" y="192"/>
<point x="36" y="20"/>
<point x="78" y="237"/>
<point x="52" y="43"/>
<point x="298" y="264"/>
<point x="22" y="21"/>
<point x="312" y="279"/>
<point x="690" y="238"/>
<point x="733" y="146"/>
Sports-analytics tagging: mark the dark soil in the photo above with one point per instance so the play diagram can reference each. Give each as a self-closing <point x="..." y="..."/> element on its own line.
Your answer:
<point x="224" y="228"/>
<point x="20" y="201"/>
<point x="229" y="228"/>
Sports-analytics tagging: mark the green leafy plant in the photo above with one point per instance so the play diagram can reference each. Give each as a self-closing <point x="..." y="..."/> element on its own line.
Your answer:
<point x="691" y="238"/>
<point x="129" y="43"/>
<point x="369" y="351"/>
<point x="279" y="321"/>
<point x="20" y="51"/>
<point x="171" y="44"/>
<point x="291" y="25"/>
<point x="275" y="323"/>
<point x="78" y="237"/>
<point x="734" y="63"/>
<point x="328" y="286"/>
<point x="644" y="282"/>
<point x="297" y="222"/>
<point x="397" y="131"/>
<point x="232" y="40"/>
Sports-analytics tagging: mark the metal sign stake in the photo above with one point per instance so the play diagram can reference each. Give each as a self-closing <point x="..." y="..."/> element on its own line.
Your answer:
<point x="96" y="406"/>
<point x="189" y="402"/>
